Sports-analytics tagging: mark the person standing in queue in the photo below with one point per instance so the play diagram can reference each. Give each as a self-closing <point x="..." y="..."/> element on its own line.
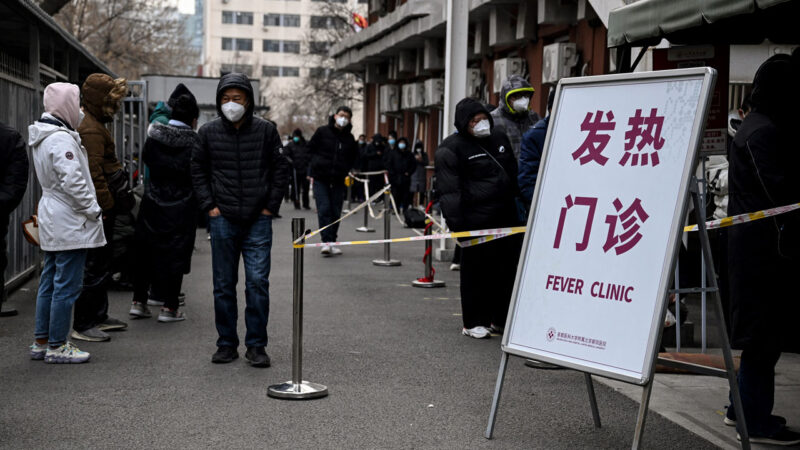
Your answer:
<point x="333" y="153"/>
<point x="763" y="255"/>
<point x="166" y="224"/>
<point x="514" y="116"/>
<point x="297" y="152"/>
<point x="476" y="182"/>
<point x="240" y="178"/>
<point x="101" y="96"/>
<point x="70" y="221"/>
<point x="13" y="183"/>
<point x="400" y="163"/>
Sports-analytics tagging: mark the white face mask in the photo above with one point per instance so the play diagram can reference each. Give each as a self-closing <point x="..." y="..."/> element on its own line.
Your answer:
<point x="233" y="111"/>
<point x="482" y="128"/>
<point x="341" y="121"/>
<point x="521" y="104"/>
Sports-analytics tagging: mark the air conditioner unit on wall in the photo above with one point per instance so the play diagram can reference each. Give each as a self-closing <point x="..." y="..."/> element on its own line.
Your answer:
<point x="504" y="68"/>
<point x="558" y="61"/>
<point x="389" y="98"/>
<point x="473" y="83"/>
<point x="434" y="92"/>
<point x="413" y="95"/>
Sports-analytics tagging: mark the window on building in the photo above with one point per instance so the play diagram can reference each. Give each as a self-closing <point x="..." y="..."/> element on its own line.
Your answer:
<point x="291" y="20"/>
<point x="291" y="46"/>
<point x="319" y="72"/>
<point x="237" y="17"/>
<point x="327" y="22"/>
<point x="245" y="45"/>
<point x="270" y="71"/>
<point x="318" y="47"/>
<point x="272" y="20"/>
<point x="246" y="69"/>
<point x="270" y="45"/>
<point x="290" y="71"/>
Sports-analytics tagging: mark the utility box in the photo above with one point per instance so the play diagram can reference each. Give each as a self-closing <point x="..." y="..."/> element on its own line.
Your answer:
<point x="434" y="92"/>
<point x="558" y="61"/>
<point x="504" y="68"/>
<point x="389" y="98"/>
<point x="413" y="95"/>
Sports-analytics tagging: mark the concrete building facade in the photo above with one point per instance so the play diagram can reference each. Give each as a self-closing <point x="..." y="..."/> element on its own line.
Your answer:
<point x="274" y="41"/>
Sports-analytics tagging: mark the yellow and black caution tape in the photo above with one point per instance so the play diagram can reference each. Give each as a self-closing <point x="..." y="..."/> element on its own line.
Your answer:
<point x="453" y="235"/>
<point x="744" y="218"/>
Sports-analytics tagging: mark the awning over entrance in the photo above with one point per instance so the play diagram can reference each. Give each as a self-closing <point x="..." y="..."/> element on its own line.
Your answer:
<point x="646" y="22"/>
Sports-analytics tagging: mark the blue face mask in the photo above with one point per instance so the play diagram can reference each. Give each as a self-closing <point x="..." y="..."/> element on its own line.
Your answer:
<point x="392" y="141"/>
<point x="401" y="146"/>
<point x="296" y="139"/>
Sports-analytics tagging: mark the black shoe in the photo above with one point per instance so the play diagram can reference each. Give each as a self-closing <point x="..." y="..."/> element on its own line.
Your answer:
<point x="783" y="437"/>
<point x="257" y="357"/>
<point x="224" y="355"/>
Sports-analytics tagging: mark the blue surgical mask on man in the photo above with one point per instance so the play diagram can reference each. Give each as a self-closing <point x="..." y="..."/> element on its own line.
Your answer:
<point x="392" y="141"/>
<point x="296" y="139"/>
<point x="401" y="146"/>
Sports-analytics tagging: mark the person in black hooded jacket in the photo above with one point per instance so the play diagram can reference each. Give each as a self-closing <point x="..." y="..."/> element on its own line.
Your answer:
<point x="13" y="183"/>
<point x="333" y="153"/>
<point x="476" y="182"/>
<point x="165" y="226"/>
<point x="297" y="153"/>
<point x="240" y="178"/>
<point x="763" y="302"/>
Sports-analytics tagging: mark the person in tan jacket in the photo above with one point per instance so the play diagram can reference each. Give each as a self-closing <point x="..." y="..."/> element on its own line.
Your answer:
<point x="101" y="96"/>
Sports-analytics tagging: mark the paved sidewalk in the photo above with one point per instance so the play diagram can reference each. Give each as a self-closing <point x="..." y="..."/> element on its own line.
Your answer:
<point x="399" y="372"/>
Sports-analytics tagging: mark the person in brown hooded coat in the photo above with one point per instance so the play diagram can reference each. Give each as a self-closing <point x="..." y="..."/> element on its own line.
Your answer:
<point x="101" y="96"/>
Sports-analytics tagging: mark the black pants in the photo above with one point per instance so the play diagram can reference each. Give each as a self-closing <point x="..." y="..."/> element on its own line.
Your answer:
<point x="91" y="308"/>
<point x="756" y="380"/>
<point x="3" y="255"/>
<point x="165" y="287"/>
<point x="487" y="281"/>
<point x="301" y="192"/>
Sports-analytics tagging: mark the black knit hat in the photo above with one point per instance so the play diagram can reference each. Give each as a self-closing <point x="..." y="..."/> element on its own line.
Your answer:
<point x="180" y="89"/>
<point x="184" y="105"/>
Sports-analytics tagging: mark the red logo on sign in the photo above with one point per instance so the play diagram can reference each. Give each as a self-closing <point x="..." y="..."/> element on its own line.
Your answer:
<point x="551" y="334"/>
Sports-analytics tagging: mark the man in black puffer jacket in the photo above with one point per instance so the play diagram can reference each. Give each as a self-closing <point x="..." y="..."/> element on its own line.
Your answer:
<point x="333" y="153"/>
<point x="240" y="178"/>
<point x="476" y="181"/>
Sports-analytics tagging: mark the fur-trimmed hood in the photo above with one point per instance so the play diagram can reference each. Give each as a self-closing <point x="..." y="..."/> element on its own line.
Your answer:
<point x="172" y="136"/>
<point x="102" y="95"/>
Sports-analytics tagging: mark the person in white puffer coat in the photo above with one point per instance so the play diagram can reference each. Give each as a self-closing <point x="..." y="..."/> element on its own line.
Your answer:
<point x="69" y="217"/>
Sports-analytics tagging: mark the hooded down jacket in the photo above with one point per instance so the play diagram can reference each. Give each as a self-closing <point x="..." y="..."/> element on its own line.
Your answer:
<point x="101" y="97"/>
<point x="476" y="178"/>
<point x="13" y="170"/>
<point x="69" y="215"/>
<point x="333" y="152"/>
<point x="514" y="124"/>
<point x="239" y="170"/>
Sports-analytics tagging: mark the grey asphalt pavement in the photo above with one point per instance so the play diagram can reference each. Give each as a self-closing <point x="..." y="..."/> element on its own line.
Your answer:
<point x="400" y="373"/>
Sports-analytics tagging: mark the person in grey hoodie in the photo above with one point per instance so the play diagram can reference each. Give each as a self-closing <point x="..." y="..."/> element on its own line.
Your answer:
<point x="513" y="116"/>
<point x="70" y="220"/>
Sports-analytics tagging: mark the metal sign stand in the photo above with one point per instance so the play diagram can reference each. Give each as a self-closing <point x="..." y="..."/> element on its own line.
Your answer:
<point x="297" y="388"/>
<point x="729" y="373"/>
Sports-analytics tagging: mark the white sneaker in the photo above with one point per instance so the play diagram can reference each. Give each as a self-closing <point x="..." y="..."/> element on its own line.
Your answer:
<point x="326" y="250"/>
<point x="335" y="251"/>
<point x="455" y="266"/>
<point x="140" y="310"/>
<point x="478" y="332"/>
<point x="154" y="302"/>
<point x="66" y="354"/>
<point x="37" y="351"/>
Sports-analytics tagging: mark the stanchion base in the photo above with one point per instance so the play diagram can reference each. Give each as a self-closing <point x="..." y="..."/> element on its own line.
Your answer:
<point x="428" y="284"/>
<point x="384" y="263"/>
<point x="302" y="391"/>
<point x="365" y="230"/>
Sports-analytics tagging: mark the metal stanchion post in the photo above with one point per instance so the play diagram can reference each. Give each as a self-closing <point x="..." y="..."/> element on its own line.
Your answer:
<point x="428" y="281"/>
<point x="349" y="197"/>
<point x="365" y="228"/>
<point x="297" y="388"/>
<point x="387" y="232"/>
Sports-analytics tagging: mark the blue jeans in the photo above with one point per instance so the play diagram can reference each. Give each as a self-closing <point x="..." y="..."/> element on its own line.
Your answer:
<point x="59" y="286"/>
<point x="253" y="241"/>
<point x="329" y="198"/>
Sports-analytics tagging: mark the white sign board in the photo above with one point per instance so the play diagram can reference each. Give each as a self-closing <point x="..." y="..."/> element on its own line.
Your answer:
<point x="606" y="217"/>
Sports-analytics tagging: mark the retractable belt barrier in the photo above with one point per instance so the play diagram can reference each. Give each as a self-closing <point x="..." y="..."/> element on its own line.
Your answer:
<point x="483" y="236"/>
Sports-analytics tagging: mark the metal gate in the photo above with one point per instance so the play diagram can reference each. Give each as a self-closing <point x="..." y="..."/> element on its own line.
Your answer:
<point x="130" y="130"/>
